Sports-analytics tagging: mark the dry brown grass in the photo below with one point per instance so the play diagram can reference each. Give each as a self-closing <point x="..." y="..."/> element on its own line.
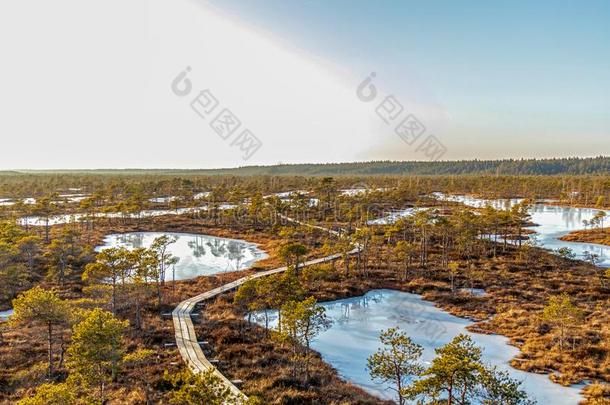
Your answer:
<point x="516" y="294"/>
<point x="23" y="352"/>
<point x="596" y="235"/>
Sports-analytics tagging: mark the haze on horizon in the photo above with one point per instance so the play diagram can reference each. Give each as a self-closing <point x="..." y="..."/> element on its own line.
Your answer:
<point x="89" y="84"/>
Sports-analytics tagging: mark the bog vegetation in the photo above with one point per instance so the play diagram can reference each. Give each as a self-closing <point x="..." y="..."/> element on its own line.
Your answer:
<point x="89" y="326"/>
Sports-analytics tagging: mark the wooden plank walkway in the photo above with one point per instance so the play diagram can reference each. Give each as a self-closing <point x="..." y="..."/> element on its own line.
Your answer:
<point x="186" y="339"/>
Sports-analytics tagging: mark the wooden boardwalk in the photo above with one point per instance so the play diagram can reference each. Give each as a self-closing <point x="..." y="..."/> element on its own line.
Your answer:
<point x="186" y="339"/>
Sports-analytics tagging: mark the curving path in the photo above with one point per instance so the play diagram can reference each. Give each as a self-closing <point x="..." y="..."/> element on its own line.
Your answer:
<point x="186" y="339"/>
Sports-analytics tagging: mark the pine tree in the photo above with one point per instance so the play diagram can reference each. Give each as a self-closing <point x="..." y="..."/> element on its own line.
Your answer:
<point x="43" y="307"/>
<point x="96" y="350"/>
<point x="396" y="361"/>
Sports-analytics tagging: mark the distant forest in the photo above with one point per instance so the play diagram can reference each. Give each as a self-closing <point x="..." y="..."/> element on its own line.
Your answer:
<point x="564" y="166"/>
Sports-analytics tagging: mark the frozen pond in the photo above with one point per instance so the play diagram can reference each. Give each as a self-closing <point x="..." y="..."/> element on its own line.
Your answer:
<point x="284" y="195"/>
<point x="200" y="255"/>
<point x="73" y="198"/>
<point x="500" y="204"/>
<point x="556" y="221"/>
<point x="62" y="198"/>
<point x="359" y="191"/>
<point x="4" y="315"/>
<point x="394" y="216"/>
<point x="553" y="222"/>
<point x="357" y="322"/>
<point x="162" y="200"/>
<point x="76" y="217"/>
<point x="351" y="192"/>
<point x="203" y="194"/>
<point x="11" y="201"/>
<point x="289" y="196"/>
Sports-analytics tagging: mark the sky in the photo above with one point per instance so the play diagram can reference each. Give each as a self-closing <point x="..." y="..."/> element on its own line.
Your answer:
<point x="92" y="84"/>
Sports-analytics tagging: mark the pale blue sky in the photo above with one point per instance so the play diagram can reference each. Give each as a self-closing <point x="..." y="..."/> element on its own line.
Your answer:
<point x="88" y="84"/>
<point x="528" y="54"/>
<point x="518" y="68"/>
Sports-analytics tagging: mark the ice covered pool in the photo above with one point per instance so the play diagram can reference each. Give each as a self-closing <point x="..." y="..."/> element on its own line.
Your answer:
<point x="200" y="255"/>
<point x="357" y="322"/>
<point x="552" y="222"/>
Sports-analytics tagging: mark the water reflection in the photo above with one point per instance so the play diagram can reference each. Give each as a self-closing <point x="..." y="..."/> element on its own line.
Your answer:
<point x="553" y="222"/>
<point x="357" y="322"/>
<point x="77" y="217"/>
<point x="198" y="254"/>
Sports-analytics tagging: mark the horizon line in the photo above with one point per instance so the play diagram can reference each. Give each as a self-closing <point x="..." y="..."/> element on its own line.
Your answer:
<point x="280" y="164"/>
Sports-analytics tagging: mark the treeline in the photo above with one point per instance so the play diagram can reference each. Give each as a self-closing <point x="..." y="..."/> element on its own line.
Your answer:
<point x="555" y="166"/>
<point x="573" y="166"/>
